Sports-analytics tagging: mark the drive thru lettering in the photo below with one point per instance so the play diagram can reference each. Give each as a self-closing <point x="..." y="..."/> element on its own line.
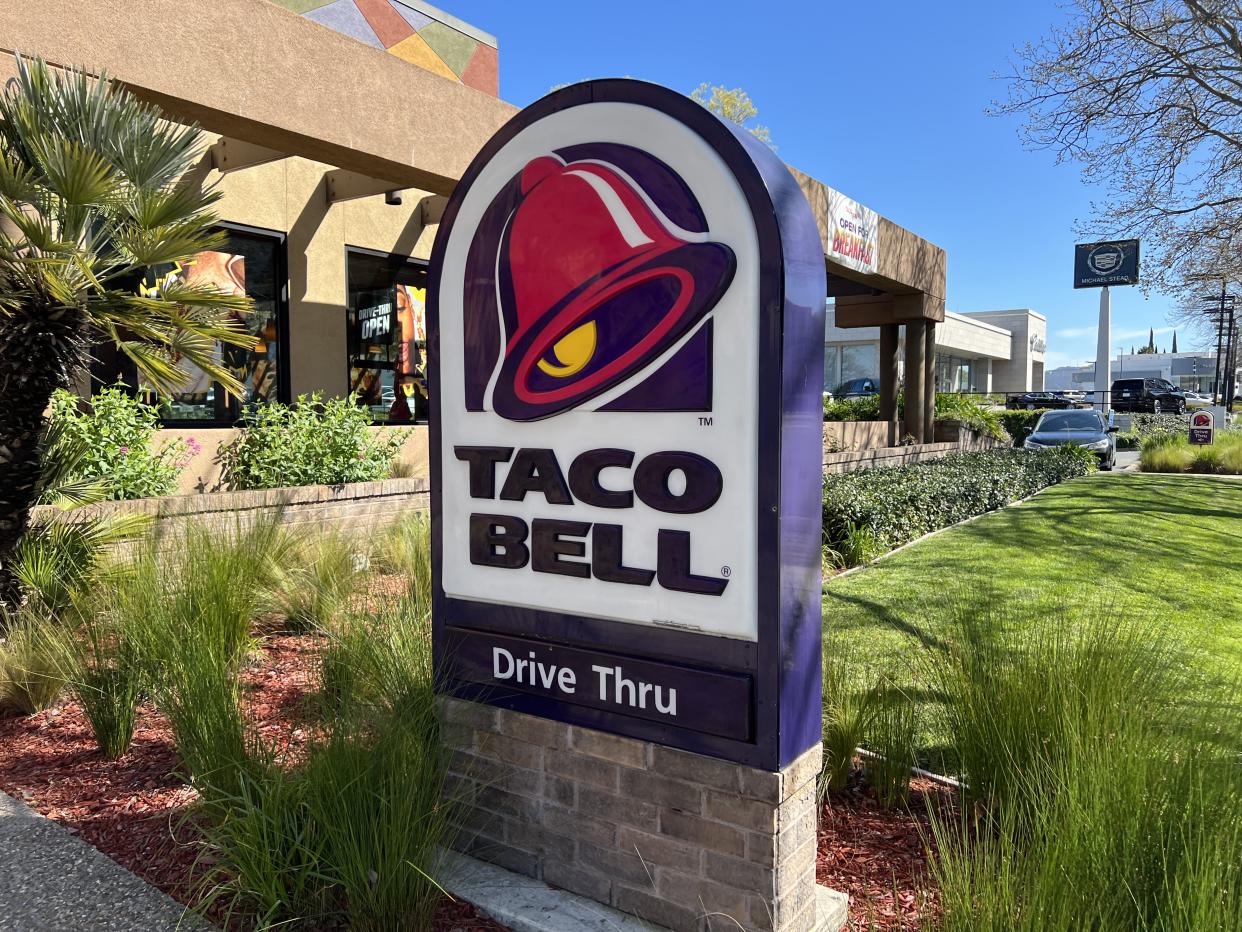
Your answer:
<point x="550" y="545"/>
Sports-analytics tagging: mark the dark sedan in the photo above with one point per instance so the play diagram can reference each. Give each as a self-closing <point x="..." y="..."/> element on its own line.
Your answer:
<point x="1032" y="401"/>
<point x="1086" y="429"/>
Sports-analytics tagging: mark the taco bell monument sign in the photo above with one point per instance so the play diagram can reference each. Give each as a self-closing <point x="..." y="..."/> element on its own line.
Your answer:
<point x="626" y="338"/>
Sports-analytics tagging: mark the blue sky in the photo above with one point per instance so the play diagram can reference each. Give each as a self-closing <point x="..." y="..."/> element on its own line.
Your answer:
<point x="883" y="101"/>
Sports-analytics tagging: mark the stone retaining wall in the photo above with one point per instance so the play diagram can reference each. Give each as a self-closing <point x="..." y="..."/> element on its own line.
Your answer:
<point x="353" y="507"/>
<point x="956" y="440"/>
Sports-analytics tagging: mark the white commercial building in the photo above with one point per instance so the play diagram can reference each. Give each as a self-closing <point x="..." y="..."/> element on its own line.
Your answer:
<point x="979" y="351"/>
<point x="1194" y="371"/>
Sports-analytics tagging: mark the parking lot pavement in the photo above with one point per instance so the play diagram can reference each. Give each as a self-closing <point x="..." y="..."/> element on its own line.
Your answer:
<point x="1127" y="460"/>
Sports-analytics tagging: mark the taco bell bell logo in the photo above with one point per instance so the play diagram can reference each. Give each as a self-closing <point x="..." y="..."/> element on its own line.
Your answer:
<point x="594" y="282"/>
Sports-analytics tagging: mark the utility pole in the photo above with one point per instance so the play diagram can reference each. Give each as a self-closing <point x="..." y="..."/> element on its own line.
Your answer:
<point x="1220" y="337"/>
<point x="1231" y="362"/>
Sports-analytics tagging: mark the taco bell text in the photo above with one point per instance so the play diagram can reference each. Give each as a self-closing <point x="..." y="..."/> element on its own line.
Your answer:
<point x="673" y="482"/>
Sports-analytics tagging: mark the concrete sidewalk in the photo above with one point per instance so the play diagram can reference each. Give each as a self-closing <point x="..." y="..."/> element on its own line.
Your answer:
<point x="52" y="881"/>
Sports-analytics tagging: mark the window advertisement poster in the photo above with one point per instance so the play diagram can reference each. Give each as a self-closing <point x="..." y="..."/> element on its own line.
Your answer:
<point x="625" y="476"/>
<point x="855" y="229"/>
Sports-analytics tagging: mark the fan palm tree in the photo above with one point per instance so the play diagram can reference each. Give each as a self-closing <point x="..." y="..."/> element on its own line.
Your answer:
<point x="93" y="195"/>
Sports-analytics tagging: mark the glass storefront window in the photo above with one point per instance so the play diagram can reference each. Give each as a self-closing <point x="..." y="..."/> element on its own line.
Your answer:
<point x="251" y="263"/>
<point x="387" y="335"/>
<point x="860" y="361"/>
<point x="954" y="374"/>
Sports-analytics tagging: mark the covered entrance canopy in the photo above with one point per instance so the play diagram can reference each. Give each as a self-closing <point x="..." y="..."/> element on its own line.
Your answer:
<point x="906" y="289"/>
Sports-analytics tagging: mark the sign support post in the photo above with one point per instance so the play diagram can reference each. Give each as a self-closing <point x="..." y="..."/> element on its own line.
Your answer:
<point x="625" y="339"/>
<point x="1103" y="362"/>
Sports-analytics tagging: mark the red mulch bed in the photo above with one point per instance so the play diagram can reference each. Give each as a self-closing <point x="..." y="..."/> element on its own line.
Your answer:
<point x="133" y="809"/>
<point x="879" y="856"/>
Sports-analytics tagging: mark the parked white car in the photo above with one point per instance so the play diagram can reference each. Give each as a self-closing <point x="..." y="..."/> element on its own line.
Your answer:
<point x="1198" y="400"/>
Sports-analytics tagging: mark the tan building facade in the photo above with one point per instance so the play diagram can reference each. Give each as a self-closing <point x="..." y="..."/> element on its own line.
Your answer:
<point x="336" y="130"/>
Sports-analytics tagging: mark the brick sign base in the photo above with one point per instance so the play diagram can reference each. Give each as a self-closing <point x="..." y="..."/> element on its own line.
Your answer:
<point x="681" y="840"/>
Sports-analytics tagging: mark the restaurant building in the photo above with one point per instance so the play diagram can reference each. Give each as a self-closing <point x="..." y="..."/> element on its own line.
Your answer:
<point x="336" y="129"/>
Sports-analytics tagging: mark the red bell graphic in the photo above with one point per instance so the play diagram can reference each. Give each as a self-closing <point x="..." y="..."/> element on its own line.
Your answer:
<point x="596" y="284"/>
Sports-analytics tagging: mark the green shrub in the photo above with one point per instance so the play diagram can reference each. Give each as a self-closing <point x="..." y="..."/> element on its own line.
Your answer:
<point x="116" y="435"/>
<point x="853" y="409"/>
<point x="313" y="442"/>
<point x="1019" y="424"/>
<point x="970" y="413"/>
<point x="901" y="503"/>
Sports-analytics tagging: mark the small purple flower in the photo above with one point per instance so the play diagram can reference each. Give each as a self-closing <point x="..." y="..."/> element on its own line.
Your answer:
<point x="124" y="450"/>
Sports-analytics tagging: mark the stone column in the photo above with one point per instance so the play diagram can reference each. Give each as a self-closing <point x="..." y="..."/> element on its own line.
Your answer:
<point x="890" y="336"/>
<point x="929" y="384"/>
<point x="688" y="842"/>
<point x="916" y="362"/>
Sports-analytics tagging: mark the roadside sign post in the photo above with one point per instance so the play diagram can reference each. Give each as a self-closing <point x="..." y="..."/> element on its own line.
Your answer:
<point x="1099" y="265"/>
<point x="625" y="326"/>
<point x="1202" y="428"/>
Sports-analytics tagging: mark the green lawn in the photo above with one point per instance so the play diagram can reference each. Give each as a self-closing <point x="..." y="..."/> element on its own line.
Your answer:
<point x="1148" y="549"/>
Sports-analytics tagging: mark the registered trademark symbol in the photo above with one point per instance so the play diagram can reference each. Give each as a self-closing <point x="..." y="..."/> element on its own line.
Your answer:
<point x="726" y="572"/>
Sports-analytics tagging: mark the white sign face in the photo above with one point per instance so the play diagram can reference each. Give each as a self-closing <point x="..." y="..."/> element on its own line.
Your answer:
<point x="855" y="233"/>
<point x="598" y="319"/>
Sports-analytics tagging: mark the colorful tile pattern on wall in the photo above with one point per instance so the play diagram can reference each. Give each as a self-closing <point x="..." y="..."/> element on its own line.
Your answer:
<point x="411" y="32"/>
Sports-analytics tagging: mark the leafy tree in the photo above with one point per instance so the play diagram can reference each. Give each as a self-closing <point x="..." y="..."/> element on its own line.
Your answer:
<point x="734" y="106"/>
<point x="1146" y="95"/>
<point x="92" y="195"/>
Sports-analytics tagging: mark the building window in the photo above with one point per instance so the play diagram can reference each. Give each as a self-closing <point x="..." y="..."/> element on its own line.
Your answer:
<point x="860" y="361"/>
<point x="387" y="335"/>
<point x="250" y="263"/>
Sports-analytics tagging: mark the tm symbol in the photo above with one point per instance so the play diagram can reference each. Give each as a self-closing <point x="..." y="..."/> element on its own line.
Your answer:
<point x="705" y="422"/>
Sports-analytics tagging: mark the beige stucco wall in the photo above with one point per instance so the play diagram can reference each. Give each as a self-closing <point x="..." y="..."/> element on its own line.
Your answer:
<point x="289" y="196"/>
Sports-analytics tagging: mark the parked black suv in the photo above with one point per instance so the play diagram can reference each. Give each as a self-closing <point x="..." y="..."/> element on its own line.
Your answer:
<point x="1153" y="395"/>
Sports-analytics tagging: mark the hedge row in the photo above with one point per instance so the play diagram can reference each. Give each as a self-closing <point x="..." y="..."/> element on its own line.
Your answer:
<point x="898" y="504"/>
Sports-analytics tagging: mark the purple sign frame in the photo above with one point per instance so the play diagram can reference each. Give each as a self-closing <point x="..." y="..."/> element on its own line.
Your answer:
<point x="772" y="686"/>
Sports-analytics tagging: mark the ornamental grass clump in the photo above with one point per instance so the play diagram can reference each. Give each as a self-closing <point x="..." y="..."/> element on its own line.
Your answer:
<point x="406" y="550"/>
<point x="1102" y="793"/>
<point x="319" y="575"/>
<point x="349" y="834"/>
<point x="189" y="601"/>
<point x="849" y="707"/>
<point x="106" y="672"/>
<point x="892" y="738"/>
<point x="32" y="663"/>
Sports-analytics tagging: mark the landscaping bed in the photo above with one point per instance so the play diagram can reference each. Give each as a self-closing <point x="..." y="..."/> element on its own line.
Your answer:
<point x="138" y="812"/>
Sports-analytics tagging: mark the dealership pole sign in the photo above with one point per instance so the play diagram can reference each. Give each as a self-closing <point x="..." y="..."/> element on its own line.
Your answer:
<point x="625" y="344"/>
<point x="1099" y="265"/>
